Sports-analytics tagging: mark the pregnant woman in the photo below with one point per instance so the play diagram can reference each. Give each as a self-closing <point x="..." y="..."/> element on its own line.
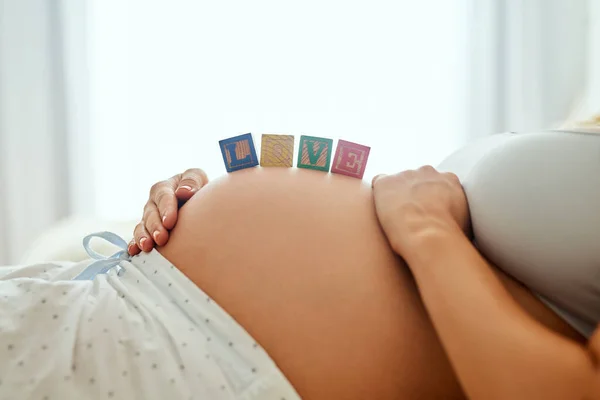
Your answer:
<point x="299" y="260"/>
<point x="279" y="284"/>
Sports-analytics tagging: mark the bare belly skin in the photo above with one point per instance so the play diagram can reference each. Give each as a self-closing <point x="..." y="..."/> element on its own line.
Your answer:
<point x="298" y="259"/>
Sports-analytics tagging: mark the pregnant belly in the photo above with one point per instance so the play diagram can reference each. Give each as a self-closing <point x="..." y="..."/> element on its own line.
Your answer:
<point x="298" y="259"/>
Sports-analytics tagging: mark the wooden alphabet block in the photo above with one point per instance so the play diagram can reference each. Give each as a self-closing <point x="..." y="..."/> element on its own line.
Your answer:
<point x="350" y="159"/>
<point x="277" y="151"/>
<point x="238" y="152"/>
<point x="315" y="153"/>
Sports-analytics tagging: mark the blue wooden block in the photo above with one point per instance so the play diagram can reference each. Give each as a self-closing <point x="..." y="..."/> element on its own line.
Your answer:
<point x="238" y="152"/>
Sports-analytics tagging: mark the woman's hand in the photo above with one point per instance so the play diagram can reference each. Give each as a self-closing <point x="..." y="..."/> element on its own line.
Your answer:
<point x="417" y="202"/>
<point x="160" y="212"/>
<point x="492" y="342"/>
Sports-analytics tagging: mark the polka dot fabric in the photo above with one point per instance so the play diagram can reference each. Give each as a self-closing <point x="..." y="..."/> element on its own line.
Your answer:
<point x="148" y="334"/>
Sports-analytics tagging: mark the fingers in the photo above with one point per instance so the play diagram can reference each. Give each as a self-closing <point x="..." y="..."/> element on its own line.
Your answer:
<point x="427" y="168"/>
<point x="164" y="200"/>
<point x="132" y="248"/>
<point x="142" y="238"/>
<point x="160" y="212"/>
<point x="153" y="222"/>
<point x="185" y="185"/>
<point x="452" y="177"/>
<point x="191" y="181"/>
<point x="376" y="178"/>
<point x="149" y="231"/>
<point x="162" y="196"/>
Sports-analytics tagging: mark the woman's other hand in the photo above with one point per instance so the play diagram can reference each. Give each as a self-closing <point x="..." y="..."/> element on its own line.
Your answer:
<point x="415" y="203"/>
<point x="160" y="212"/>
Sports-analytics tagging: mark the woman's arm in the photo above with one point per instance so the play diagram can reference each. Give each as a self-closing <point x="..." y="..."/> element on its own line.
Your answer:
<point x="497" y="350"/>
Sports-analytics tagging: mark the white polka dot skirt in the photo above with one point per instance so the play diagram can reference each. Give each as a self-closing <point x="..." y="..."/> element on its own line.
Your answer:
<point x="146" y="333"/>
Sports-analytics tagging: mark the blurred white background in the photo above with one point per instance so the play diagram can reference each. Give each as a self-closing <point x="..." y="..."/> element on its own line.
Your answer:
<point x="100" y="99"/>
<point x="168" y="82"/>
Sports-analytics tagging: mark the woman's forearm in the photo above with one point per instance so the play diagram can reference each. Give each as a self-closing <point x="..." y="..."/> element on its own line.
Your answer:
<point x="497" y="350"/>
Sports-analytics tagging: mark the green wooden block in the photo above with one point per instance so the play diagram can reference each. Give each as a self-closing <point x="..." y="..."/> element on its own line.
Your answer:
<point x="315" y="153"/>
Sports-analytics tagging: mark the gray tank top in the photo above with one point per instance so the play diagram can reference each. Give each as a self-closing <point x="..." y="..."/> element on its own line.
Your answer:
<point x="535" y="206"/>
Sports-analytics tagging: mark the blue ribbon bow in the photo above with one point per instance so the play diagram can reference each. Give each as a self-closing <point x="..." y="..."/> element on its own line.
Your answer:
<point x="103" y="263"/>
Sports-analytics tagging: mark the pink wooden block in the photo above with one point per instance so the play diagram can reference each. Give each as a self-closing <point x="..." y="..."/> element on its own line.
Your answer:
<point x="350" y="159"/>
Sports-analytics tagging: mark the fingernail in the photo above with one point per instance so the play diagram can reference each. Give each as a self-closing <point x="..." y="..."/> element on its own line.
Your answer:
<point x="155" y="235"/>
<point x="142" y="241"/>
<point x="186" y="187"/>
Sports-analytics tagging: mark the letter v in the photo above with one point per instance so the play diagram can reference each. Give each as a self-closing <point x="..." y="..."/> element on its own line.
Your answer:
<point x="310" y="146"/>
